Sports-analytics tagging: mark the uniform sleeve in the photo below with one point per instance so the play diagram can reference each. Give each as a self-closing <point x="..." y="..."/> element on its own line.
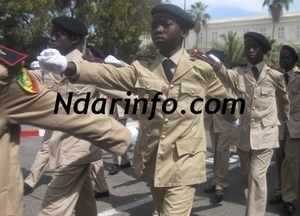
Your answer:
<point x="282" y="99"/>
<point x="37" y="74"/>
<point x="107" y="76"/>
<point x="215" y="89"/>
<point x="227" y="77"/>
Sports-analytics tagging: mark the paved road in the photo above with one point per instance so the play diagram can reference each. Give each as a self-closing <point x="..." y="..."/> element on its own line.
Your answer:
<point x="131" y="196"/>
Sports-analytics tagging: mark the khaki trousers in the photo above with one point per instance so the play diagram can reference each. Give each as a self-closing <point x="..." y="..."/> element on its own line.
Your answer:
<point x="11" y="186"/>
<point x="290" y="168"/>
<point x="175" y="201"/>
<point x="254" y="166"/>
<point x="124" y="158"/>
<point x="97" y="173"/>
<point x="221" y="145"/>
<point x="41" y="162"/>
<point x="71" y="187"/>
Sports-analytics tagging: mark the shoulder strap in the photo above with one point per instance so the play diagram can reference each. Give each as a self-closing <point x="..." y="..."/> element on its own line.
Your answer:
<point x="144" y="57"/>
<point x="281" y="70"/>
<point x="92" y="59"/>
<point x="204" y="57"/>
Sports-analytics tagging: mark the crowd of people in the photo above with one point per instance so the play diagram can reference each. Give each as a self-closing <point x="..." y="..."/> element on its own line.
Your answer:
<point x="170" y="150"/>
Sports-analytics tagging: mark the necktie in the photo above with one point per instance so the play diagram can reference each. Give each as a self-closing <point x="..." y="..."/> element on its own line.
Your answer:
<point x="167" y="68"/>
<point x="255" y="72"/>
<point x="286" y="78"/>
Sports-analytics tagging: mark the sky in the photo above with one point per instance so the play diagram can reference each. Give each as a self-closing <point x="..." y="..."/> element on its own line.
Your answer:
<point x="219" y="9"/>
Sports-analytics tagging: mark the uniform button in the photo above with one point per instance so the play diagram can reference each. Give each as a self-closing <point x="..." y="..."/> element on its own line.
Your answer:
<point x="193" y="92"/>
<point x="253" y="108"/>
<point x="171" y="86"/>
<point x="60" y="84"/>
<point x="163" y="136"/>
<point x="169" y="103"/>
<point x="256" y="85"/>
<point x="255" y="96"/>
<point x="148" y="87"/>
<point x="193" y="151"/>
<point x="77" y="91"/>
<point x="166" y="120"/>
<point x="252" y="120"/>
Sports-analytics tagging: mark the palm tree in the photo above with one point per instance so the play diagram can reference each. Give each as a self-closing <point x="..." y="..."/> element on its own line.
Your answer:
<point x="272" y="56"/>
<point x="275" y="8"/>
<point x="197" y="12"/>
<point x="233" y="48"/>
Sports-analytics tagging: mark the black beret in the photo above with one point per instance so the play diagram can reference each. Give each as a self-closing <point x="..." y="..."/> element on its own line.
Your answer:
<point x="97" y="52"/>
<point x="173" y="12"/>
<point x="259" y="38"/>
<point x="291" y="50"/>
<point x="70" y="24"/>
<point x="218" y="53"/>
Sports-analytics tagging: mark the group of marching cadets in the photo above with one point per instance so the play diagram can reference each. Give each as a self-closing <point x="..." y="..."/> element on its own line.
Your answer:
<point x="170" y="150"/>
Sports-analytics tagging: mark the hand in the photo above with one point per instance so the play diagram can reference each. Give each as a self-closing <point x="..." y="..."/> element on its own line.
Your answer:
<point x="112" y="60"/>
<point x="53" y="61"/>
<point x="35" y="65"/>
<point x="214" y="58"/>
<point x="234" y="124"/>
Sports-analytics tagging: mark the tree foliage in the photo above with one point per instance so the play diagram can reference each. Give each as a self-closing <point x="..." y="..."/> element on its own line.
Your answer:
<point x="116" y="25"/>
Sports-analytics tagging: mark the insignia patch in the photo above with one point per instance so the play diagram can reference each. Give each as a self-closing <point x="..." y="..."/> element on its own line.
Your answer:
<point x="27" y="82"/>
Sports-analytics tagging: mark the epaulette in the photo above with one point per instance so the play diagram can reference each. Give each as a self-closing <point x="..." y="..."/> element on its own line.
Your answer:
<point x="139" y="57"/>
<point x="281" y="70"/>
<point x="11" y="57"/>
<point x="204" y="57"/>
<point x="91" y="58"/>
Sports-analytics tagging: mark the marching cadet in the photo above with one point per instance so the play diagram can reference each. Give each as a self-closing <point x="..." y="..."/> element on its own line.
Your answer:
<point x="267" y="103"/>
<point x="220" y="134"/>
<point x="24" y="101"/>
<point x="171" y="146"/>
<point x="286" y="189"/>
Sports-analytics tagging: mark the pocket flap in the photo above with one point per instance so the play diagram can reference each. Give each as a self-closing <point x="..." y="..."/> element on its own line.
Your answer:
<point x="267" y="91"/>
<point x="191" y="89"/>
<point x="190" y="146"/>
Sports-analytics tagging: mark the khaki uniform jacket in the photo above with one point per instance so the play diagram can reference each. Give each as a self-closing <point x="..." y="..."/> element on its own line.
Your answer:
<point x="169" y="146"/>
<point x="65" y="149"/>
<point x="293" y="89"/>
<point x="266" y="103"/>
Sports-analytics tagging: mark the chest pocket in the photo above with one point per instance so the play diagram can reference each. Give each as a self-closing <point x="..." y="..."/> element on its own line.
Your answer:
<point x="190" y="99"/>
<point x="295" y="98"/>
<point x="148" y="88"/>
<point x="266" y="97"/>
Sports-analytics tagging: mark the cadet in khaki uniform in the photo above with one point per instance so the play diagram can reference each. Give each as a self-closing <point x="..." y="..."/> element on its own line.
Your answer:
<point x="170" y="149"/>
<point x="263" y="88"/>
<point x="287" y="184"/>
<point x="220" y="134"/>
<point x="24" y="101"/>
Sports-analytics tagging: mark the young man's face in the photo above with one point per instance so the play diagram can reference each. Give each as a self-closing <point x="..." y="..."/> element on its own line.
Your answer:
<point x="166" y="34"/>
<point x="62" y="40"/>
<point x="253" y="51"/>
<point x="286" y="61"/>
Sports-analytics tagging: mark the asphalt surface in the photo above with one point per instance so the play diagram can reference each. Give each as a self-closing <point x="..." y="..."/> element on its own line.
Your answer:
<point x="129" y="195"/>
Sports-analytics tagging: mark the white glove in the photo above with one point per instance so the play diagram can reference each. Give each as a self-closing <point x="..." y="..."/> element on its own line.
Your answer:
<point x="112" y="60"/>
<point x="53" y="61"/>
<point x="35" y="65"/>
<point x="234" y="124"/>
<point x="214" y="58"/>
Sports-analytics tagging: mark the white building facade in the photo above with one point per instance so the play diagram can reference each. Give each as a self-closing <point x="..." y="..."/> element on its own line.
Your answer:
<point x="287" y="31"/>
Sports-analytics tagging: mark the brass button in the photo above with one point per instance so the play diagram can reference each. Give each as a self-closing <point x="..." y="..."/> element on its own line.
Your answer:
<point x="169" y="103"/>
<point x="60" y="84"/>
<point x="253" y="108"/>
<point x="166" y="120"/>
<point x="255" y="96"/>
<point x="148" y="87"/>
<point x="252" y="120"/>
<point x="77" y="91"/>
<point x="163" y="136"/>
<point x="256" y="85"/>
<point x="171" y="86"/>
<point x="193" y="92"/>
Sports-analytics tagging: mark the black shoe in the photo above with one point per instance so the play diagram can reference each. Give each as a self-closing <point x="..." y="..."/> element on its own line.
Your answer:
<point x="114" y="170"/>
<point x="27" y="189"/>
<point x="128" y="164"/>
<point x="212" y="189"/>
<point x="276" y="200"/>
<point x="219" y="195"/>
<point x="289" y="207"/>
<point x="100" y="195"/>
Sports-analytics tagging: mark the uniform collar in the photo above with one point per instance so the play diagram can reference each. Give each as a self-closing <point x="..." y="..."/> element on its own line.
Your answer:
<point x="174" y="58"/>
<point x="259" y="66"/>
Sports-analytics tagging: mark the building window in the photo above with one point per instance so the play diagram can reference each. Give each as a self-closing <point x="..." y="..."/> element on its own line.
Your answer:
<point x="200" y="38"/>
<point x="280" y="33"/>
<point x="214" y="36"/>
<point x="263" y="31"/>
<point x="298" y="32"/>
<point x="245" y="31"/>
